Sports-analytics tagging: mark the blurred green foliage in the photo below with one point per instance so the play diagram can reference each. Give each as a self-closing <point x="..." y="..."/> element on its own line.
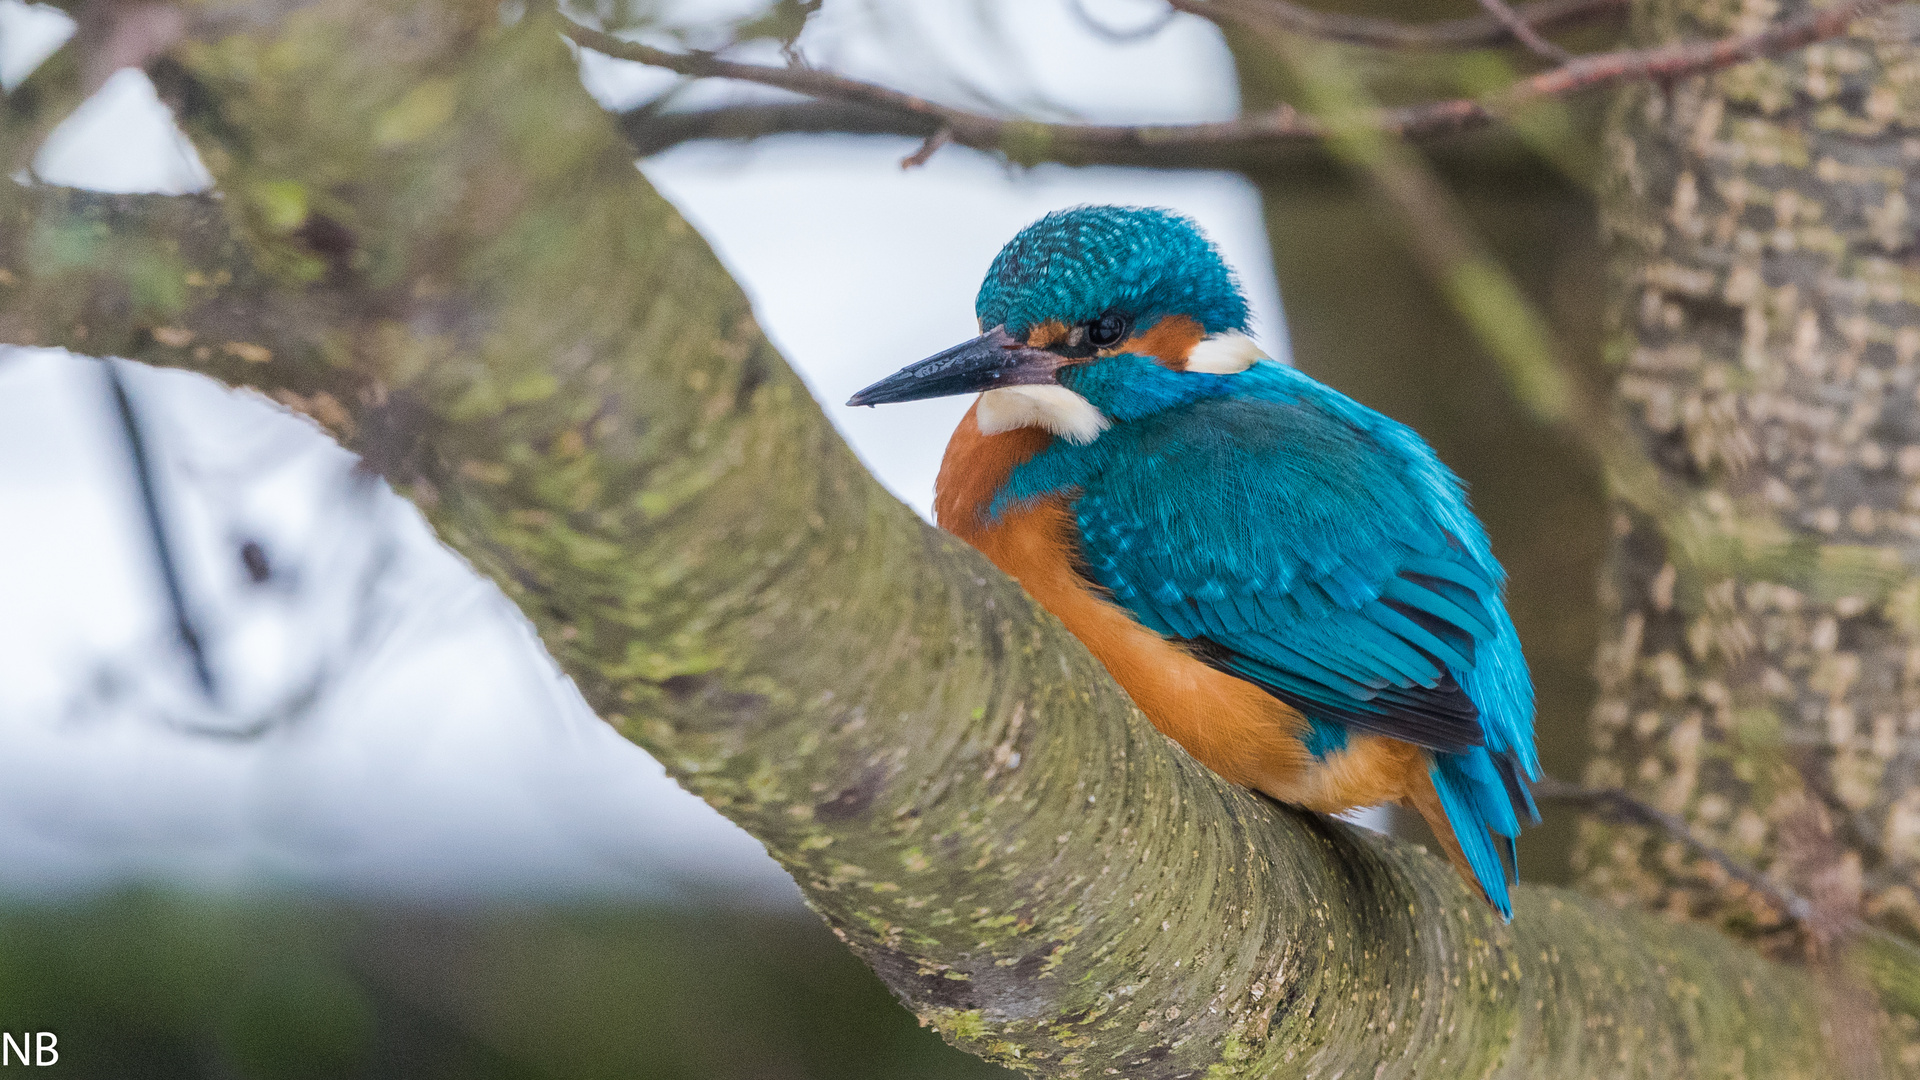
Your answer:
<point x="161" y="986"/>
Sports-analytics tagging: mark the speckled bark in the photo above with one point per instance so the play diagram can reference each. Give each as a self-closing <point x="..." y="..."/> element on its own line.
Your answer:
<point x="432" y="243"/>
<point x="1761" y="675"/>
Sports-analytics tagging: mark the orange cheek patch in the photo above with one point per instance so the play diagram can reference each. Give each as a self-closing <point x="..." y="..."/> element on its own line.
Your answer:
<point x="1047" y="334"/>
<point x="1169" y="342"/>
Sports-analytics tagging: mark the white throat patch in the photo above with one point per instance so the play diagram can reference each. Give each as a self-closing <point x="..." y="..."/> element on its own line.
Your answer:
<point x="1224" y="354"/>
<point x="1049" y="406"/>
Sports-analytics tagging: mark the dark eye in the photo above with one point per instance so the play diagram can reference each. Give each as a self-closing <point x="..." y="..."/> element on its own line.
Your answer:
<point x="1107" y="330"/>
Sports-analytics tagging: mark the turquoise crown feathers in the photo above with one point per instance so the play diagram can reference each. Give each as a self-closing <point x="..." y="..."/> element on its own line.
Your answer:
<point x="1144" y="262"/>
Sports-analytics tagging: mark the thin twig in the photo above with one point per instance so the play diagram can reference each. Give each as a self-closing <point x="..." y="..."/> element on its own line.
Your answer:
<point x="1665" y="63"/>
<point x="654" y="131"/>
<point x="1617" y="805"/>
<point x="157" y="536"/>
<point x="1524" y="33"/>
<point x="1121" y="37"/>
<point x="1025" y="139"/>
<point x="1671" y="62"/>
<point x="940" y="137"/>
<point x="1476" y="32"/>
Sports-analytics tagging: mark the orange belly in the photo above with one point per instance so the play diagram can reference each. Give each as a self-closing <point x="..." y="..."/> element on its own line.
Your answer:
<point x="1232" y="726"/>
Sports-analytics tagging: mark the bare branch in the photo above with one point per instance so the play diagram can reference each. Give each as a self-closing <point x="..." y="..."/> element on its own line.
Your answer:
<point x="1617" y="805"/>
<point x="1468" y="33"/>
<point x="1680" y="61"/>
<point x="931" y="146"/>
<point x="1121" y="37"/>
<point x="1491" y="155"/>
<point x="652" y="131"/>
<point x="159" y="536"/>
<point x="1525" y="33"/>
<point x="1030" y="140"/>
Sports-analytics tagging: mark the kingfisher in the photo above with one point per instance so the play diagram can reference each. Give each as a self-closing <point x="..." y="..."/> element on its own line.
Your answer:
<point x="1288" y="584"/>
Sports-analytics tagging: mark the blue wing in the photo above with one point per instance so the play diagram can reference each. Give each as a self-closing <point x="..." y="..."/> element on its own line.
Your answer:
<point x="1320" y="550"/>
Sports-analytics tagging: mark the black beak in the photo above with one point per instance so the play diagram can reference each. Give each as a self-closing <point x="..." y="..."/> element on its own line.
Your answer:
<point x="995" y="358"/>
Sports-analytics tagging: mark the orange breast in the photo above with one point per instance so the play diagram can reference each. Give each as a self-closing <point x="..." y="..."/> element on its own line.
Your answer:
<point x="1232" y="726"/>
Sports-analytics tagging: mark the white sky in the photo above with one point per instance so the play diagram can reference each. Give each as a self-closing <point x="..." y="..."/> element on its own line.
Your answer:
<point x="451" y="759"/>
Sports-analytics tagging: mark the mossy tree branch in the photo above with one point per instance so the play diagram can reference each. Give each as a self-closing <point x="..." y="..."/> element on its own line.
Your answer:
<point x="431" y="242"/>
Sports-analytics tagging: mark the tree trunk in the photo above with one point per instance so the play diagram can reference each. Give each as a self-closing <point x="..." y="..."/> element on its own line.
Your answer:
<point x="435" y="245"/>
<point x="1761" y="673"/>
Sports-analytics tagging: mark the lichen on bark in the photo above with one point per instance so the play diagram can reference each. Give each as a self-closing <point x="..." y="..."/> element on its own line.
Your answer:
<point x="431" y="242"/>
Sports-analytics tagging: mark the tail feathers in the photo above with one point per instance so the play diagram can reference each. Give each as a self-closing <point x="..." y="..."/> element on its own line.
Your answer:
<point x="1479" y="799"/>
<point x="1519" y="796"/>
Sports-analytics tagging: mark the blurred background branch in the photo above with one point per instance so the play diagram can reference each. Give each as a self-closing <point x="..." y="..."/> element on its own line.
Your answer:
<point x="160" y="542"/>
<point x="1473" y="32"/>
<point x="1030" y="141"/>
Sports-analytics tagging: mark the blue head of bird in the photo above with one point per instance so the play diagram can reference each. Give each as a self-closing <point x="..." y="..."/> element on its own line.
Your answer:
<point x="1091" y="316"/>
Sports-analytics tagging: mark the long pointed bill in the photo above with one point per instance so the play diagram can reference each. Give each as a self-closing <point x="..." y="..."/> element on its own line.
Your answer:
<point x="995" y="358"/>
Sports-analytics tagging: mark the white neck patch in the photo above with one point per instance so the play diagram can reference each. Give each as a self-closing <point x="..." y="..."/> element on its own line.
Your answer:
<point x="1049" y="406"/>
<point x="1224" y="354"/>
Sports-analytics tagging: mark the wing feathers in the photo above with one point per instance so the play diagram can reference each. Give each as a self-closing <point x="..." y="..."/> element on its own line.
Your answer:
<point x="1317" y="549"/>
<point x="1377" y="659"/>
<point x="1449" y="644"/>
<point x="1413" y="592"/>
<point x="1438" y="717"/>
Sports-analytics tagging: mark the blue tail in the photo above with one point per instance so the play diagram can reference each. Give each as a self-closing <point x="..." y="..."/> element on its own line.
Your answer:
<point x="1484" y="797"/>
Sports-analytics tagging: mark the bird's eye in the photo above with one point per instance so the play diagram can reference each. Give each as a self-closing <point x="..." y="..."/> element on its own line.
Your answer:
<point x="1106" y="330"/>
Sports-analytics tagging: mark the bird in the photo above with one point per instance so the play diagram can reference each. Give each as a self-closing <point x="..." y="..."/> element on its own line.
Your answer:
<point x="1290" y="585"/>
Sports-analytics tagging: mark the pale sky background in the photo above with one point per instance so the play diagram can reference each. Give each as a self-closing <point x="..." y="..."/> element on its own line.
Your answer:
<point x="446" y="756"/>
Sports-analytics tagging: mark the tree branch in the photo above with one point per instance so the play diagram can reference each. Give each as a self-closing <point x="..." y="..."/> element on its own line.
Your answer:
<point x="1030" y="141"/>
<point x="972" y="129"/>
<point x="1115" y="35"/>
<point x="1620" y="807"/>
<point x="1489" y="157"/>
<point x="1524" y="32"/>
<point x="159" y="535"/>
<point x="962" y="794"/>
<point x="1672" y="62"/>
<point x="548" y="361"/>
<point x="1475" y="32"/>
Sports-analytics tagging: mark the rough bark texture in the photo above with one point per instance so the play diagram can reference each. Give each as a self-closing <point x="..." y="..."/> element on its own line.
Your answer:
<point x="432" y="242"/>
<point x="1761" y="675"/>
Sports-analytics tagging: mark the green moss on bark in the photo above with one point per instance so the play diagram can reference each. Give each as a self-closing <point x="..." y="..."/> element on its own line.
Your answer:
<point x="480" y="294"/>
